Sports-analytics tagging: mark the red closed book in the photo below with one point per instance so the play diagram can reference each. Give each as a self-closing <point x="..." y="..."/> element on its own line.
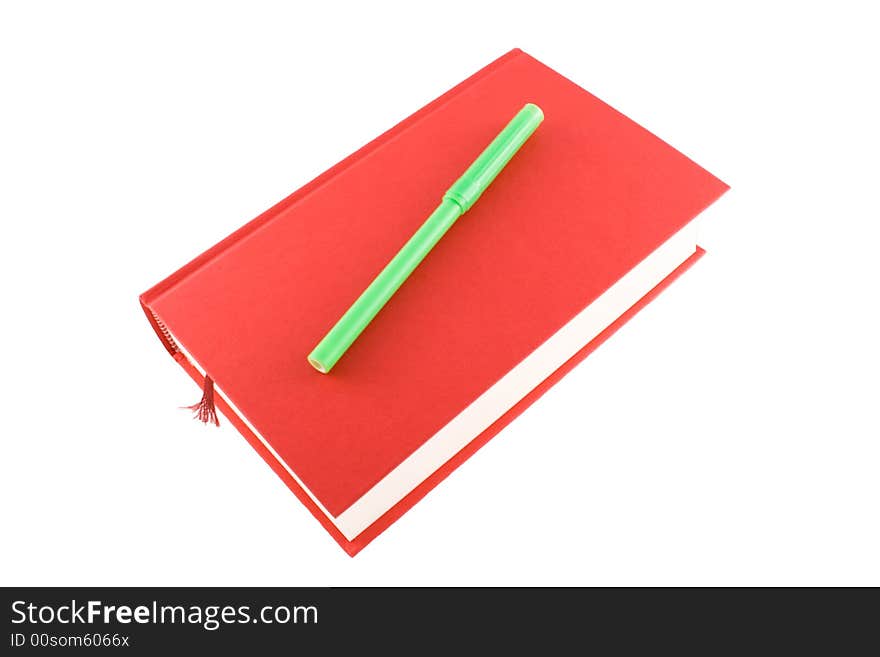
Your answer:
<point x="586" y="224"/>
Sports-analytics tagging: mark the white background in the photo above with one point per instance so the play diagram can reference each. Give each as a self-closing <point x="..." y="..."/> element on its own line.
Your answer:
<point x="729" y="434"/>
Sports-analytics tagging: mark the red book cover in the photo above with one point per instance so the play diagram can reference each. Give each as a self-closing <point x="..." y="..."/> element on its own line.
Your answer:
<point x="586" y="224"/>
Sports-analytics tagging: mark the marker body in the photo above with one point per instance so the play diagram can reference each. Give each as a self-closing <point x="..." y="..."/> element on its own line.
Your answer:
<point x="371" y="300"/>
<point x="463" y="193"/>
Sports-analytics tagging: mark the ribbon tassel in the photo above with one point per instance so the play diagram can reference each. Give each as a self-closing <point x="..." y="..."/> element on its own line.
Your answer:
<point x="205" y="410"/>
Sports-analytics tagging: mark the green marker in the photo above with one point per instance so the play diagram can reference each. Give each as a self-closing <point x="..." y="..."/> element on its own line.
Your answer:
<point x="457" y="200"/>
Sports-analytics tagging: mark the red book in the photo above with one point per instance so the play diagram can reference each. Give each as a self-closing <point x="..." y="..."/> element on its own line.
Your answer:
<point x="586" y="224"/>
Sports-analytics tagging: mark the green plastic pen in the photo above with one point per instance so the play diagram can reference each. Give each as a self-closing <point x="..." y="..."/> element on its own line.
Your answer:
<point x="457" y="200"/>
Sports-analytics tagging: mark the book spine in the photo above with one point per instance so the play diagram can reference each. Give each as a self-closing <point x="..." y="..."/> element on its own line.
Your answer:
<point x="160" y="329"/>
